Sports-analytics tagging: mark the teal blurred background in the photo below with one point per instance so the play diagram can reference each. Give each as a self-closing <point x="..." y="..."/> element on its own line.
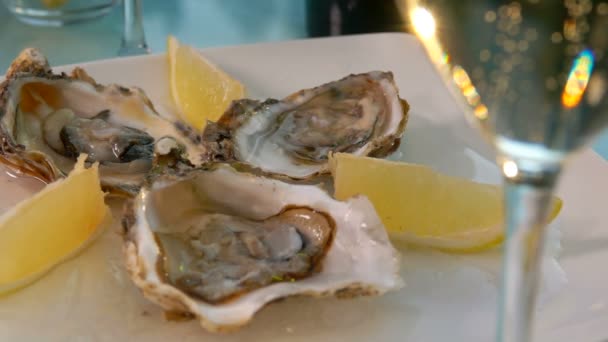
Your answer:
<point x="201" y="23"/>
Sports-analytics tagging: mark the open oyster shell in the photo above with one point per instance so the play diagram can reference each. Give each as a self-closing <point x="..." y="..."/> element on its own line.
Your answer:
<point x="220" y="244"/>
<point x="47" y="120"/>
<point x="360" y="114"/>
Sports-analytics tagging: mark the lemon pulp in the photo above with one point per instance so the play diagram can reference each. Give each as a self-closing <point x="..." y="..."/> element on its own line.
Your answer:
<point x="200" y="89"/>
<point x="40" y="232"/>
<point x="420" y="206"/>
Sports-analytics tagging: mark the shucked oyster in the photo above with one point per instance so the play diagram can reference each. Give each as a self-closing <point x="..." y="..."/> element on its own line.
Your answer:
<point x="220" y="244"/>
<point x="360" y="114"/>
<point x="47" y="120"/>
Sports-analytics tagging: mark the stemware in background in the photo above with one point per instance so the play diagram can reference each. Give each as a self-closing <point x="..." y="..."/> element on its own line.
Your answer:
<point x="533" y="75"/>
<point x="133" y="39"/>
<point x="58" y="12"/>
<point x="340" y="17"/>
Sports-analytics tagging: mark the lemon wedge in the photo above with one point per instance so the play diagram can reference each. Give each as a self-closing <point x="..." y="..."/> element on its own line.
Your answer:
<point x="54" y="224"/>
<point x="200" y="89"/>
<point x="420" y="206"/>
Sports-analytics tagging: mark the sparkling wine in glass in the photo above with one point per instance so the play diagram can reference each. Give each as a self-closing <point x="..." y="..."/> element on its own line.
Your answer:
<point x="533" y="75"/>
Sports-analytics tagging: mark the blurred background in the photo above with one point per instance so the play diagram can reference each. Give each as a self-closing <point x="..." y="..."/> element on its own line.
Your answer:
<point x="202" y="23"/>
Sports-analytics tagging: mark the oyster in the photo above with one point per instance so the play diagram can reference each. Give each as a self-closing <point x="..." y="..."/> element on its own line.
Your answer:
<point x="48" y="120"/>
<point x="220" y="244"/>
<point x="360" y="114"/>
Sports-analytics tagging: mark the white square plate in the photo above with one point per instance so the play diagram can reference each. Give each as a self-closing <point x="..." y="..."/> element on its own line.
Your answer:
<point x="447" y="297"/>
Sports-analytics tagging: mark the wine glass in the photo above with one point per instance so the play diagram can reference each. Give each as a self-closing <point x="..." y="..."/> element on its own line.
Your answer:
<point x="533" y="75"/>
<point x="133" y="38"/>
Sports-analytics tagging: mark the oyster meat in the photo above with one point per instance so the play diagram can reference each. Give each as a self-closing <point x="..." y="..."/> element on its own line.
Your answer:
<point x="47" y="120"/>
<point x="360" y="114"/>
<point x="219" y="244"/>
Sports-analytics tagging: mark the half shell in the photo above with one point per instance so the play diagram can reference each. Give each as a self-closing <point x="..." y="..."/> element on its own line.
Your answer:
<point x="47" y="120"/>
<point x="359" y="114"/>
<point x="276" y="240"/>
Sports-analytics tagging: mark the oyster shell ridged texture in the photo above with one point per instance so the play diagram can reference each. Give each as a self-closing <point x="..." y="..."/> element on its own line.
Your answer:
<point x="360" y="114"/>
<point x="47" y="120"/>
<point x="202" y="238"/>
<point x="192" y="249"/>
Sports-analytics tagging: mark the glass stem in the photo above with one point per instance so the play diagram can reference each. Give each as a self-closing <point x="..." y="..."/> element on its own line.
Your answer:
<point x="133" y="39"/>
<point x="528" y="199"/>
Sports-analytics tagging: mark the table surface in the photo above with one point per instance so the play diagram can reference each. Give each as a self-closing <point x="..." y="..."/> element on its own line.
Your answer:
<point x="199" y="23"/>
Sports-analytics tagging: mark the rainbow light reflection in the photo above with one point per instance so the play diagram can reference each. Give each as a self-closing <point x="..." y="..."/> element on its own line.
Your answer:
<point x="578" y="79"/>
